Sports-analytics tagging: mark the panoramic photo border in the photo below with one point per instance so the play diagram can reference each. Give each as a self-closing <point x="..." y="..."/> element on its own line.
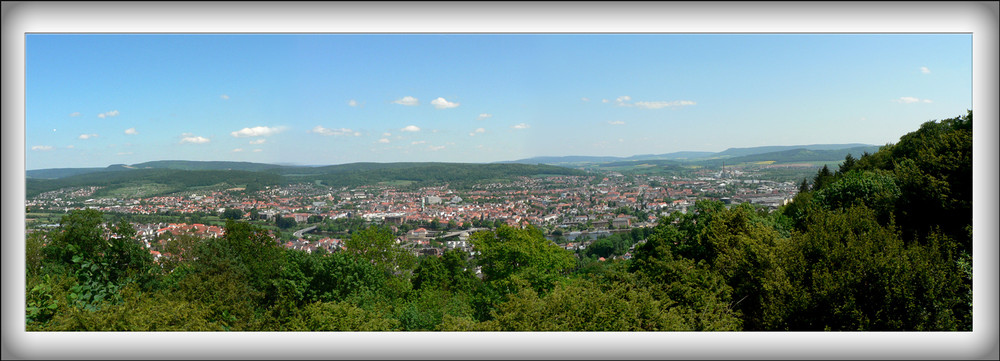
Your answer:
<point x="977" y="18"/>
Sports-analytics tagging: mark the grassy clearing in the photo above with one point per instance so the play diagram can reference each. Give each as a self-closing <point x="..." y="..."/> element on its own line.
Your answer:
<point x="139" y="190"/>
<point x="397" y="183"/>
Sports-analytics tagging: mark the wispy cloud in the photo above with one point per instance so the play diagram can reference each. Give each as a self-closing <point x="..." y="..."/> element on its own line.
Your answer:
<point x="484" y="116"/>
<point x="477" y="131"/>
<point x="87" y="136"/>
<point x="237" y="150"/>
<point x="224" y="97"/>
<point x="352" y="103"/>
<point x="383" y="140"/>
<point x="41" y="147"/>
<point x="407" y="100"/>
<point x="258" y="150"/>
<point x="617" y="122"/>
<point x="909" y="100"/>
<point x="74" y="114"/>
<point x="924" y="70"/>
<point x="260" y="131"/>
<point x="418" y="142"/>
<point x="131" y="131"/>
<point x="190" y="138"/>
<point x="410" y="128"/>
<point x="585" y="99"/>
<point x="386" y="134"/>
<point x="626" y="101"/>
<point x="436" y="147"/>
<point x="521" y="126"/>
<point x="113" y="113"/>
<point x="441" y="103"/>
<point x="337" y="132"/>
<point x="258" y="141"/>
<point x="662" y="104"/>
<point x="623" y="100"/>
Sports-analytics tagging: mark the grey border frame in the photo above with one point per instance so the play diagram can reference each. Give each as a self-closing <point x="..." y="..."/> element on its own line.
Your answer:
<point x="978" y="18"/>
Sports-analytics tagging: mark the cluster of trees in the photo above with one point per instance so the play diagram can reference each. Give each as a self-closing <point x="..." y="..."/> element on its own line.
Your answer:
<point x="883" y="243"/>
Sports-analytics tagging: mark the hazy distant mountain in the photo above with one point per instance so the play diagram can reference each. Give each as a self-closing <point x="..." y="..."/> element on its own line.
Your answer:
<point x="797" y="155"/>
<point x="737" y="152"/>
<point x="691" y="155"/>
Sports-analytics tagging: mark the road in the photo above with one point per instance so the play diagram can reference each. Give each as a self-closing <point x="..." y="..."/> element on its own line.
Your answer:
<point x="298" y="234"/>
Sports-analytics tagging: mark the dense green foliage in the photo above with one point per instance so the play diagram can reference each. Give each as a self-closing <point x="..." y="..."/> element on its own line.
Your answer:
<point x="882" y="243"/>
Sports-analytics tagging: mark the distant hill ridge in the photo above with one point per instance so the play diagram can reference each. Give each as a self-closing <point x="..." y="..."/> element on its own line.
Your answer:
<point x="731" y="154"/>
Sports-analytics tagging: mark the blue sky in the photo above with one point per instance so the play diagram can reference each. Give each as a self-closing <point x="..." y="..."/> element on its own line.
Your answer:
<point x="95" y="100"/>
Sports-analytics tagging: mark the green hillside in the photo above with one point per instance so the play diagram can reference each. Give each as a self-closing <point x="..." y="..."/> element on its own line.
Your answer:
<point x="153" y="181"/>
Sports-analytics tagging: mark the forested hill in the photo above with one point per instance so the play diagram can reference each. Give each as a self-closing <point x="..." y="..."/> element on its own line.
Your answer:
<point x="54" y="173"/>
<point x="152" y="181"/>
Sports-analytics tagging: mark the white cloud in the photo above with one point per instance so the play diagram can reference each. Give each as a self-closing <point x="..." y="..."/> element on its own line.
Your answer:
<point x="237" y="150"/>
<point x="87" y="136"/>
<point x="407" y="100"/>
<point x="908" y="100"/>
<point x="41" y="147"/>
<point x="477" y="131"/>
<point x="131" y="131"/>
<point x="585" y="99"/>
<point x="662" y="104"/>
<point x="440" y="103"/>
<point x="617" y="122"/>
<point x="193" y="139"/>
<point x="484" y="116"/>
<point x="224" y="97"/>
<point x="113" y="113"/>
<point x="258" y="150"/>
<point x="410" y="128"/>
<point x="436" y="147"/>
<point x="260" y="131"/>
<point x="604" y="100"/>
<point x="70" y="146"/>
<point x="418" y="142"/>
<point x="521" y="126"/>
<point x="386" y="134"/>
<point x="924" y="70"/>
<point x="383" y="140"/>
<point x="258" y="141"/>
<point x="74" y="114"/>
<point x="352" y="103"/>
